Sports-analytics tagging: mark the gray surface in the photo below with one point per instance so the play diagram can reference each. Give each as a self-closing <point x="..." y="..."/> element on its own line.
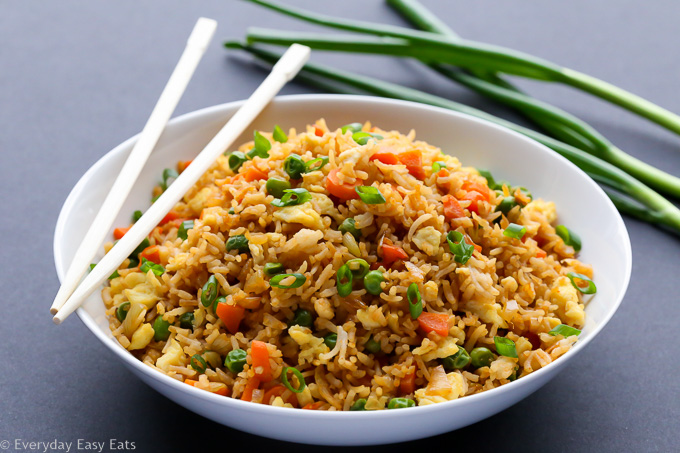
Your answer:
<point x="79" y="77"/>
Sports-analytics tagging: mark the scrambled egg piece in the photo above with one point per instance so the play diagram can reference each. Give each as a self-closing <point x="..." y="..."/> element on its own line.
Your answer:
<point x="173" y="356"/>
<point x="442" y="387"/>
<point x="325" y="204"/>
<point x="427" y="239"/>
<point x="545" y="208"/>
<point x="142" y="337"/>
<point x="502" y="367"/>
<point x="303" y="214"/>
<point x="371" y="317"/>
<point x="430" y="350"/>
<point x="565" y="296"/>
<point x="490" y="313"/>
<point x="310" y="346"/>
<point x="304" y="240"/>
<point x="352" y="155"/>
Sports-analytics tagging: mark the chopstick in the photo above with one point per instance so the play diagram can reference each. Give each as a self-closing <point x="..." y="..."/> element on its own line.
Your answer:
<point x="283" y="71"/>
<point x="195" y="48"/>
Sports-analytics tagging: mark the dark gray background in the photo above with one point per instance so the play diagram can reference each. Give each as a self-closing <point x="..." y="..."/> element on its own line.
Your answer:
<point x="79" y="77"/>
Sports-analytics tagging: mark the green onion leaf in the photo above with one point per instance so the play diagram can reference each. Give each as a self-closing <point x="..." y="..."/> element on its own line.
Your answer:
<point x="590" y="289"/>
<point x="168" y="174"/>
<point x="302" y="318"/>
<point x="372" y="346"/>
<point x="111" y="277"/>
<point x="349" y="226"/>
<point x="344" y="279"/>
<point x="399" y="403"/>
<point x="279" y="135"/>
<point x="298" y="375"/>
<point x="316" y="164"/>
<point x="156" y="268"/>
<point x="354" y="127"/>
<point x="370" y="195"/>
<point x="506" y="204"/>
<point x="515" y="231"/>
<point x="490" y="181"/>
<point x="198" y="363"/>
<point x="140" y="248"/>
<point x="137" y="215"/>
<point x="277" y="279"/>
<point x="122" y="311"/>
<point x="413" y="294"/>
<point x="184" y="228"/>
<point x="209" y="292"/>
<point x="294" y="166"/>
<point x="261" y="148"/>
<point x="292" y="197"/>
<point x="457" y="361"/>
<point x="219" y="300"/>
<point x="273" y="269"/>
<point x="569" y="237"/>
<point x="505" y="346"/>
<point x="564" y="330"/>
<point x="359" y="267"/>
<point x="438" y="166"/>
<point x="363" y="137"/>
<point x="276" y="186"/>
<point x="235" y="360"/>
<point x="462" y="251"/>
<point x="236" y="159"/>
<point x="238" y="243"/>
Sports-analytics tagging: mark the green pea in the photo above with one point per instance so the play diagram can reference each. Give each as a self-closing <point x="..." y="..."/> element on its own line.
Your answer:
<point x="372" y="282"/>
<point x="506" y="205"/>
<point x="302" y="318"/>
<point x="399" y="403"/>
<point x="359" y="405"/>
<point x="239" y="243"/>
<point x="331" y="339"/>
<point x="186" y="321"/>
<point x="276" y="186"/>
<point x="273" y="269"/>
<point x="235" y="360"/>
<point x="294" y="166"/>
<point x="457" y="361"/>
<point x="160" y="329"/>
<point x="349" y="226"/>
<point x="122" y="311"/>
<point x="372" y="346"/>
<point x="480" y="357"/>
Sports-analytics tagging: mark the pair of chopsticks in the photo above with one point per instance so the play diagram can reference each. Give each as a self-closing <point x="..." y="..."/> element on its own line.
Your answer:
<point x="71" y="295"/>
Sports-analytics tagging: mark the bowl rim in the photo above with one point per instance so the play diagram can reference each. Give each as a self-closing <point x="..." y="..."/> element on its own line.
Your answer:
<point x="174" y="384"/>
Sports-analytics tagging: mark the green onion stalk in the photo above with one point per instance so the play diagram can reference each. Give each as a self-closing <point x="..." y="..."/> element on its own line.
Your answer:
<point x="639" y="198"/>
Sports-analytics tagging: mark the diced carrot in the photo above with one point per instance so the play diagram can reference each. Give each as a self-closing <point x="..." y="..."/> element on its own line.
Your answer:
<point x="191" y="382"/>
<point x="222" y="390"/>
<point x="443" y="173"/>
<point x="452" y="209"/>
<point x="392" y="253"/>
<point x="344" y="191"/>
<point x="414" y="162"/>
<point x="252" y="384"/>
<point x="482" y="189"/>
<point x="313" y="406"/>
<point x="118" y="233"/>
<point x="169" y="217"/>
<point x="385" y="158"/>
<point x="434" y="322"/>
<point x="231" y="316"/>
<point x="182" y="165"/>
<point x="469" y="240"/>
<point x="151" y="253"/>
<point x="408" y="384"/>
<point x="254" y="174"/>
<point x="279" y="390"/>
<point x="216" y="388"/>
<point x="318" y="131"/>
<point x="260" y="356"/>
<point x="541" y="253"/>
<point x="474" y="198"/>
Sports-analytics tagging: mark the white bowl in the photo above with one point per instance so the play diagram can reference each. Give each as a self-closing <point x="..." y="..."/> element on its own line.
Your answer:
<point x="581" y="205"/>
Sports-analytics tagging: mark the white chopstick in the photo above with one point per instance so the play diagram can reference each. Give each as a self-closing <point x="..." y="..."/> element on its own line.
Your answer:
<point x="196" y="45"/>
<point x="284" y="70"/>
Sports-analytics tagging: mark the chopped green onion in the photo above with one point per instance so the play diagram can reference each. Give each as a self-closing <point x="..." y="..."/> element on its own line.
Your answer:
<point x="370" y="195"/>
<point x="490" y="181"/>
<point x="153" y="199"/>
<point x="515" y="231"/>
<point x="359" y="267"/>
<point x="273" y="269"/>
<point x="122" y="311"/>
<point x="462" y="251"/>
<point x="209" y="292"/>
<point x="359" y="405"/>
<point x="354" y="127"/>
<point x="316" y="164"/>
<point x="344" y="278"/>
<point x="591" y="289"/>
<point x="156" y="268"/>
<point x="298" y="375"/>
<point x="413" y="294"/>
<point x="349" y="226"/>
<point x="372" y="282"/>
<point x="198" y="363"/>
<point x="134" y="262"/>
<point x="438" y="166"/>
<point x="184" y="228"/>
<point x="505" y="346"/>
<point x="168" y="174"/>
<point x="111" y="277"/>
<point x="261" y="147"/>
<point x="186" y="321"/>
<point x="564" y="330"/>
<point x="302" y="318"/>
<point x="160" y="329"/>
<point x="292" y="197"/>
<point x="279" y="135"/>
<point x="457" y="361"/>
<point x="140" y="248"/>
<point x="137" y="215"/>
<point x="277" y="279"/>
<point x="569" y="237"/>
<point x="238" y="243"/>
<point x="331" y="340"/>
<point x="219" y="300"/>
<point x="480" y="357"/>
<point x="236" y="159"/>
<point x="513" y="376"/>
<point x="231" y="211"/>
<point x="235" y="360"/>
<point x="363" y="137"/>
<point x="276" y="186"/>
<point x="506" y="204"/>
<point x="372" y="346"/>
<point x="400" y="403"/>
<point x="294" y="166"/>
